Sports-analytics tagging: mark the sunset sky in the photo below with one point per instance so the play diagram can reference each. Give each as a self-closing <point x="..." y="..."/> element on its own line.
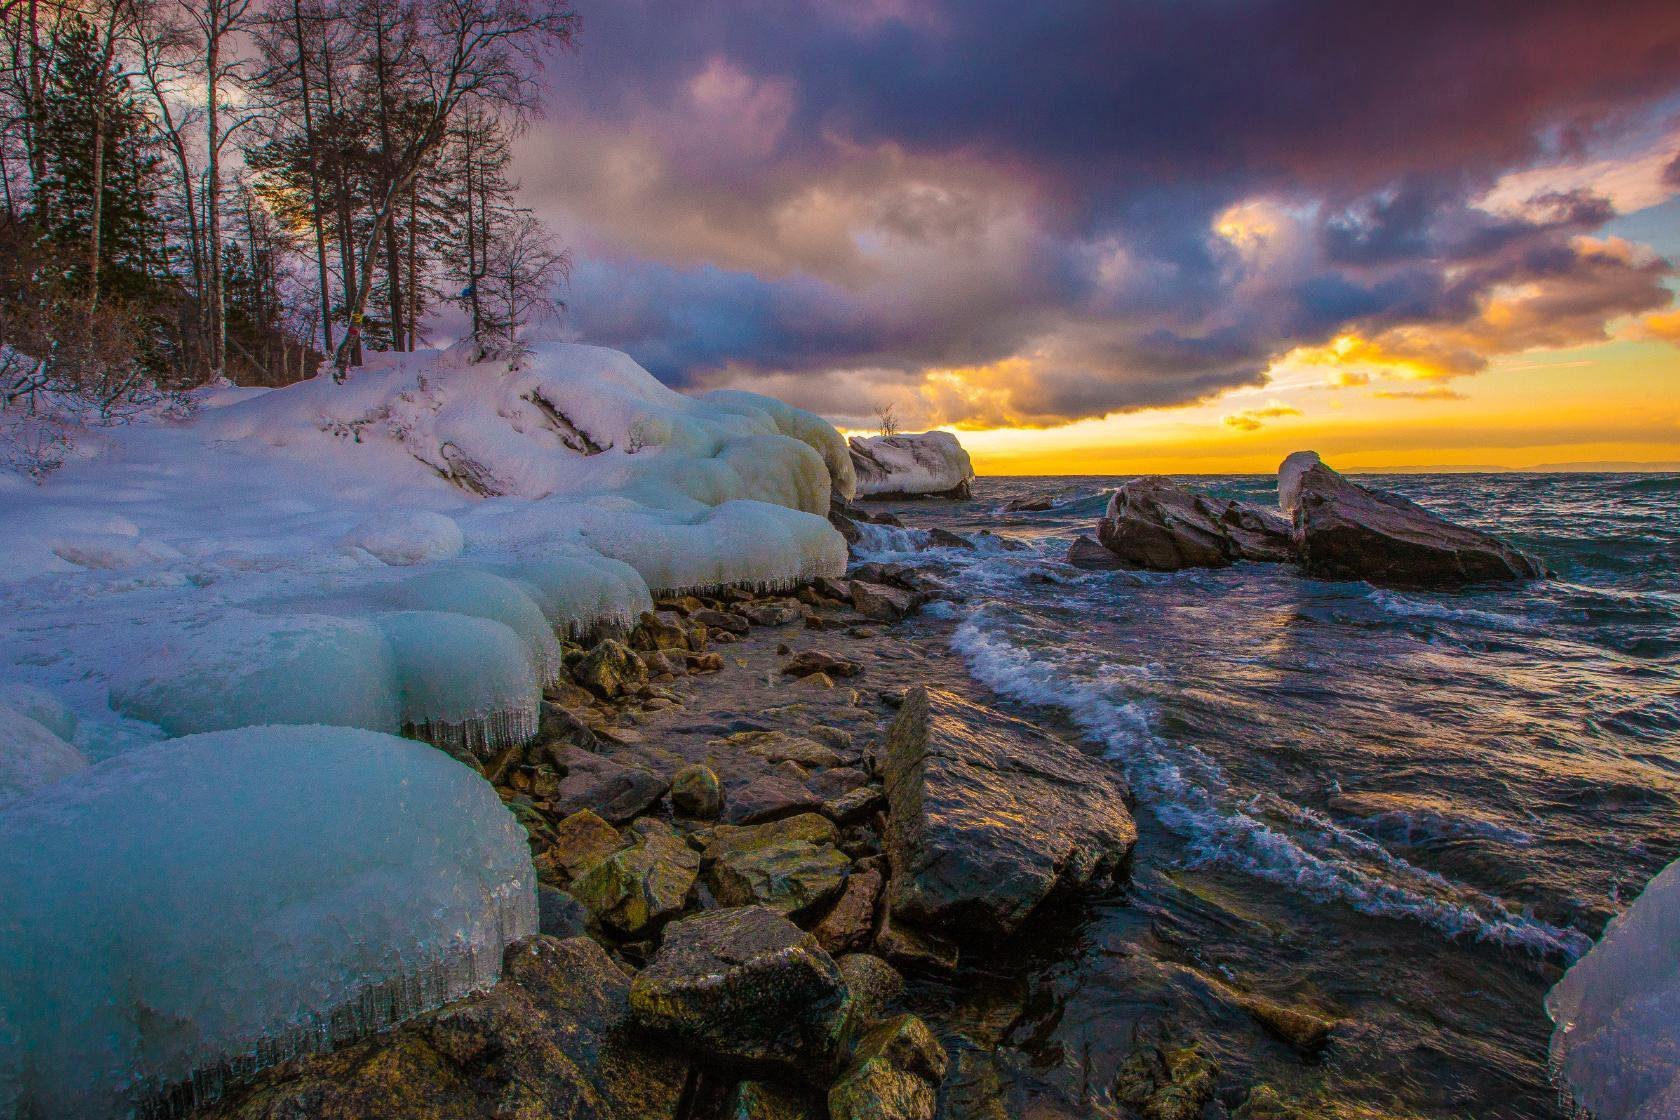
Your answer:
<point x="1110" y="237"/>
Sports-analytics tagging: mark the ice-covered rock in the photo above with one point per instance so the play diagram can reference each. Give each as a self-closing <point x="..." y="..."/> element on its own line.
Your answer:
<point x="1616" y="1042"/>
<point x="928" y="465"/>
<point x="31" y="755"/>
<point x="221" y="902"/>
<point x="402" y="537"/>
<point x="261" y="541"/>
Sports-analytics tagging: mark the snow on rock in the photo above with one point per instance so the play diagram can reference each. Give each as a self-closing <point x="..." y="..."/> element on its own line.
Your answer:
<point x="932" y="464"/>
<point x="404" y="537"/>
<point x="31" y="755"/>
<point x="221" y="902"/>
<point x="234" y="566"/>
<point x="42" y="707"/>
<point x="1290" y="471"/>
<point x="1616" y="1042"/>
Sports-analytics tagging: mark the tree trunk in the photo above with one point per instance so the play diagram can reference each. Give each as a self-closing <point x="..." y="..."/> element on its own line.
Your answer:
<point x="213" y="190"/>
<point x="314" y="178"/>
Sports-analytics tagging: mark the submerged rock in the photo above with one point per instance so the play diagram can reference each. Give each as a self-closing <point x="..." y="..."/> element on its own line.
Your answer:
<point x="552" y="1039"/>
<point x="1167" y="1082"/>
<point x="989" y="816"/>
<point x="1156" y="523"/>
<point x="744" y="985"/>
<point x="1346" y="531"/>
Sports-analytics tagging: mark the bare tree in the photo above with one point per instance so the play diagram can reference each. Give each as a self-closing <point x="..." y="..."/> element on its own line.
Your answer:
<point x="523" y="268"/>
<point x="887" y="416"/>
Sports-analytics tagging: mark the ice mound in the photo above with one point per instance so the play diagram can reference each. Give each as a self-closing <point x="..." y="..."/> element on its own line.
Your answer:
<point x="403" y="537"/>
<point x="485" y="710"/>
<point x="932" y="464"/>
<point x="1616" y="1043"/>
<point x="42" y="707"/>
<point x="1290" y="471"/>
<point x="233" y="568"/>
<point x="31" y="755"/>
<point x="220" y="902"/>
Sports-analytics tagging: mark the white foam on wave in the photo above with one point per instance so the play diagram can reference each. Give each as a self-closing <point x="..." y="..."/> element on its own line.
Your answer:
<point x="1405" y="606"/>
<point x="1190" y="794"/>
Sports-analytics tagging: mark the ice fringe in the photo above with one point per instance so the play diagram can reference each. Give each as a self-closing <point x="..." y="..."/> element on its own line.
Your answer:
<point x="1616" y="1044"/>
<point x="234" y="568"/>
<point x="201" y="907"/>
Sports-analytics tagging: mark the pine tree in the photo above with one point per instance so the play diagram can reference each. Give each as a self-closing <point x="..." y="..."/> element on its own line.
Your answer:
<point x="120" y="178"/>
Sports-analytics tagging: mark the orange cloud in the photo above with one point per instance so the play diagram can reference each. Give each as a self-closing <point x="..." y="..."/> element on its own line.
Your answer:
<point x="1253" y="419"/>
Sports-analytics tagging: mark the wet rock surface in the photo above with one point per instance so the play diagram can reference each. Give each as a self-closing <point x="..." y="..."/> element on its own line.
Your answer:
<point x="989" y="816"/>
<point x="1162" y="525"/>
<point x="894" y="1074"/>
<point x="1347" y="531"/>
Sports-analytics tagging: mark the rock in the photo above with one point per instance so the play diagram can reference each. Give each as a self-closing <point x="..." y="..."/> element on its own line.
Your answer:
<point x="580" y="841"/>
<point x="613" y="790"/>
<point x="636" y="888"/>
<point x="859" y="804"/>
<point x="814" y="681"/>
<point x="704" y="662"/>
<point x="944" y="538"/>
<point x="836" y="737"/>
<point x="928" y="465"/>
<point x="1349" y="532"/>
<point x="1167" y="1082"/>
<point x="559" y="914"/>
<point x="850" y="922"/>
<point x="914" y="949"/>
<point x="726" y="621"/>
<point x="655" y="633"/>
<point x="1029" y="505"/>
<point x="1156" y="523"/>
<point x="882" y="603"/>
<point x="1302" y="1029"/>
<point x="809" y="661"/>
<point x="697" y="793"/>
<point x="553" y="1038"/>
<point x="661" y="661"/>
<point x="611" y="670"/>
<point x="836" y="782"/>
<point x="874" y="984"/>
<point x="988" y="816"/>
<point x="766" y="1100"/>
<point x="767" y="798"/>
<point x="837" y="589"/>
<point x="779" y="746"/>
<point x="894" y="1074"/>
<point x="1086" y="554"/>
<point x="791" y="866"/>
<point x="744" y="985"/>
<point x="771" y="614"/>
<point x="558" y="727"/>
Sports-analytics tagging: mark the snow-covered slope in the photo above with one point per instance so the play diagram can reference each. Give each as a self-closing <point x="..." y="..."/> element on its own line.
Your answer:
<point x="290" y="555"/>
<point x="931" y="464"/>
<point x="225" y="901"/>
<point x="1617" y="1012"/>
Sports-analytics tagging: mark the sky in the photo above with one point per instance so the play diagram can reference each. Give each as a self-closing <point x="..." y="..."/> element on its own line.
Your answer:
<point x="1140" y="235"/>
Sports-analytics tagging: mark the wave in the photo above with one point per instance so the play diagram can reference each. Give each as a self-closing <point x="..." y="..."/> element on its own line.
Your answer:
<point x="1404" y="606"/>
<point x="1657" y="484"/>
<point x="1190" y="794"/>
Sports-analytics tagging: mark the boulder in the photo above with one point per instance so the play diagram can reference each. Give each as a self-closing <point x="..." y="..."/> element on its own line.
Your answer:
<point x="767" y="798"/>
<point x="611" y="670"/>
<point x="744" y="985"/>
<point x="553" y="1038"/>
<point x="1029" y="505"/>
<point x="613" y="790"/>
<point x="1167" y="1082"/>
<point x="989" y="816"/>
<point x="880" y="602"/>
<point x="856" y="805"/>
<point x="809" y="661"/>
<point x="768" y="1100"/>
<point x="559" y="914"/>
<point x="654" y="632"/>
<point x="874" y="985"/>
<point x="1089" y="555"/>
<point x="696" y="792"/>
<point x="1164" y="526"/>
<point x="772" y="614"/>
<point x="727" y="621"/>
<point x="850" y="922"/>
<point x="579" y="842"/>
<point x="928" y="465"/>
<point x="1347" y="531"/>
<point x="559" y="728"/>
<point x="636" y="888"/>
<point x="791" y="866"/>
<point x="836" y="782"/>
<point x="894" y="1074"/>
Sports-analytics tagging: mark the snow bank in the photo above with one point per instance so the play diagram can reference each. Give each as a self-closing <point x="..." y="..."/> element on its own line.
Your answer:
<point x="220" y="902"/>
<point x="929" y="464"/>
<point x="31" y="755"/>
<point x="1616" y="1043"/>
<point x="238" y="566"/>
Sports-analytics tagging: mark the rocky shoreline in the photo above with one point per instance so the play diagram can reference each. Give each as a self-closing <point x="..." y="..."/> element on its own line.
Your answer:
<point x="767" y="841"/>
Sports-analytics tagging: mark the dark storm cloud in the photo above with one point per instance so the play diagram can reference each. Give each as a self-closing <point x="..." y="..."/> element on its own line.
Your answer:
<point x="777" y="188"/>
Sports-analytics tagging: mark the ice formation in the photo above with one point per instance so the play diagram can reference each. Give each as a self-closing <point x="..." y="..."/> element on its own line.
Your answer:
<point x="932" y="463"/>
<point x="240" y="566"/>
<point x="1616" y="1042"/>
<point x="31" y="755"/>
<point x="1289" y="479"/>
<point x="215" y="903"/>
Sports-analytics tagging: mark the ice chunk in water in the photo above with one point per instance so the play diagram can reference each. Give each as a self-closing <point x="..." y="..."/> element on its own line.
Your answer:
<point x="1617" y="1039"/>
<point x="404" y="537"/>
<point x="242" y="671"/>
<point x="31" y="755"/>
<point x="465" y="682"/>
<point x="224" y="901"/>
